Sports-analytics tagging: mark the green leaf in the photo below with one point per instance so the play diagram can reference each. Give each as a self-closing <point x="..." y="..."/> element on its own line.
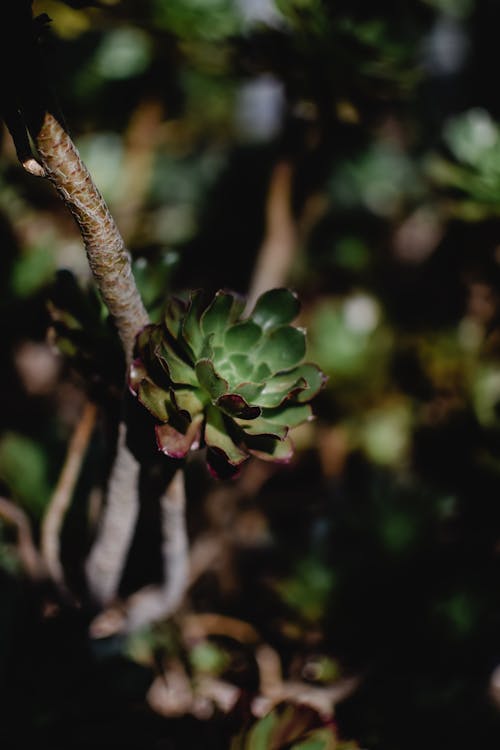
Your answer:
<point x="289" y="415"/>
<point x="235" y="406"/>
<point x="154" y="399"/>
<point x="191" y="330"/>
<point x="187" y="399"/>
<point x="23" y="468"/>
<point x="315" y="380"/>
<point x="242" y="366"/>
<point x="179" y="372"/>
<point x="263" y="427"/>
<point x="261" y="373"/>
<point x="249" y="391"/>
<point x="143" y="342"/>
<point x="275" y="308"/>
<point x="242" y="337"/>
<point x="32" y="270"/>
<point x="212" y="383"/>
<point x="320" y="739"/>
<point x="269" y="449"/>
<point x="260" y="736"/>
<point x="283" y="348"/>
<point x="216" y="436"/>
<point x="222" y="311"/>
<point x="281" y="387"/>
<point x="174" y="316"/>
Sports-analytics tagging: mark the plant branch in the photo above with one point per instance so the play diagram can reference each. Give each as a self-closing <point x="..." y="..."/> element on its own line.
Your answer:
<point x="28" y="553"/>
<point x="156" y="602"/>
<point x="61" y="498"/>
<point x="108" y="555"/>
<point x="110" y="264"/>
<point x="278" y="247"/>
<point x="108" y="259"/>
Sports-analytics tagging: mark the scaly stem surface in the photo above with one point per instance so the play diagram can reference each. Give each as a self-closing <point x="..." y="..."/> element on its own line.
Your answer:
<point x="108" y="258"/>
<point x="110" y="264"/>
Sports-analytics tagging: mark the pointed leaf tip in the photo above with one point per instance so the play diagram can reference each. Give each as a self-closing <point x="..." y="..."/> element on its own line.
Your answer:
<point x="176" y="444"/>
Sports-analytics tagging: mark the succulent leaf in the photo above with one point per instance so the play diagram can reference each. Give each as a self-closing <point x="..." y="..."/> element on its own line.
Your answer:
<point x="175" y="443"/>
<point x="290" y="414"/>
<point x="235" y="406"/>
<point x="188" y="400"/>
<point x="174" y="316"/>
<point x="262" y="426"/>
<point x="315" y="380"/>
<point x="180" y="372"/>
<point x="154" y="399"/>
<point x="269" y="449"/>
<point x="223" y="310"/>
<point x="216" y="436"/>
<point x="242" y="336"/>
<point x="275" y="308"/>
<point x="236" y="386"/>
<point x="191" y="330"/>
<point x="283" y="348"/>
<point x="209" y="380"/>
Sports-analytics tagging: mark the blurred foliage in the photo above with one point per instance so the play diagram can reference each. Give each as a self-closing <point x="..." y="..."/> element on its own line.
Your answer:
<point x="289" y="727"/>
<point x="23" y="468"/>
<point x="376" y="552"/>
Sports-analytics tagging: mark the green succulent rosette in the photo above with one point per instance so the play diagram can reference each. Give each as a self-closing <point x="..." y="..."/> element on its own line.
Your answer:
<point x="236" y="385"/>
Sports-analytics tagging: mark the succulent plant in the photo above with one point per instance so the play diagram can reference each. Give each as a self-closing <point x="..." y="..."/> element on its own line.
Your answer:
<point x="236" y="385"/>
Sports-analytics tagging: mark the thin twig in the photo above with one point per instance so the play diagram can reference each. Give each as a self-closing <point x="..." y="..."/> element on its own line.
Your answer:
<point x="61" y="498"/>
<point x="28" y="553"/>
<point x="156" y="602"/>
<point x="277" y="251"/>
<point x="274" y="689"/>
<point x="140" y="142"/>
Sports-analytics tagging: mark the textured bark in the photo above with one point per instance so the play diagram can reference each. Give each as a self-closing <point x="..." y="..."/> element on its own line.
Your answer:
<point x="109" y="262"/>
<point x="106" y="252"/>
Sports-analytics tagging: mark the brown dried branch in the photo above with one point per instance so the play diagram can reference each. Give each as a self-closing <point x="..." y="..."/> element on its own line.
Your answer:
<point x="275" y="690"/>
<point x="108" y="259"/>
<point x="195" y="627"/>
<point x="277" y="251"/>
<point x="61" y="498"/>
<point x="28" y="553"/>
<point x="156" y="602"/>
<point x="107" y="558"/>
<point x="110" y="264"/>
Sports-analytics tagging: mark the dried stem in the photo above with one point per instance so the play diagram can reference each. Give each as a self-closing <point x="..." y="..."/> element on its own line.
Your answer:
<point x="278" y="247"/>
<point x="61" y="498"/>
<point x="107" y="558"/>
<point x="156" y="602"/>
<point x="110" y="264"/>
<point x="28" y="553"/>
<point x="108" y="259"/>
<point x="274" y="689"/>
<point x="141" y="140"/>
